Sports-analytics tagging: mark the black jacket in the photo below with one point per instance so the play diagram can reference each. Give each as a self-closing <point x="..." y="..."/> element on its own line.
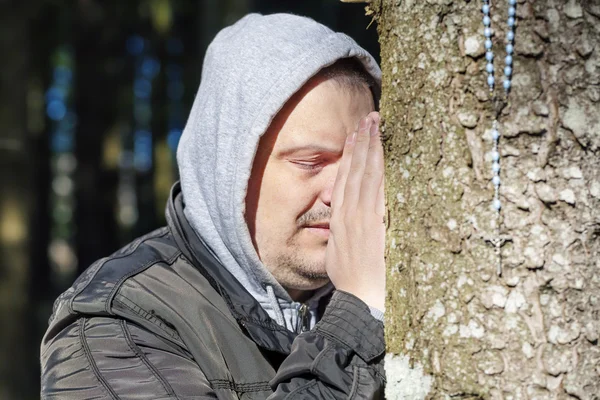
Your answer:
<point x="162" y="319"/>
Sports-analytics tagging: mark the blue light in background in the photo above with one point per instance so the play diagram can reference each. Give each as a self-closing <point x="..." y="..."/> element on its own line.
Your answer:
<point x="150" y="67"/>
<point x="173" y="138"/>
<point x="55" y="93"/>
<point x="62" y="75"/>
<point x="69" y="121"/>
<point x="56" y="110"/>
<point x="175" y="93"/>
<point x="135" y="45"/>
<point x="142" y="148"/>
<point x="142" y="88"/>
<point x="61" y="142"/>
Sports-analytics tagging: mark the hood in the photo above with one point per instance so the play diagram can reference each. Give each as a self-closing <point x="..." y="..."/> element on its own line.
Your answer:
<point x="250" y="71"/>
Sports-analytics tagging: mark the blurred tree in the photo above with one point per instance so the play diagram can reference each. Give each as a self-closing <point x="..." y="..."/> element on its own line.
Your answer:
<point x="455" y="328"/>
<point x="99" y="46"/>
<point x="17" y="202"/>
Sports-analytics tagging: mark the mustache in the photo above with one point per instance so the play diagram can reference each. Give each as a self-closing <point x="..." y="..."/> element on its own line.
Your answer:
<point x="314" y="216"/>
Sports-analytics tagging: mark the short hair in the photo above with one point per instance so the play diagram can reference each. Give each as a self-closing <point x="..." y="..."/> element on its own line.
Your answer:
<point x="350" y="73"/>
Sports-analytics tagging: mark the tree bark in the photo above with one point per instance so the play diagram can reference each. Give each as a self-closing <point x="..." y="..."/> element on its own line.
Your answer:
<point x="454" y="327"/>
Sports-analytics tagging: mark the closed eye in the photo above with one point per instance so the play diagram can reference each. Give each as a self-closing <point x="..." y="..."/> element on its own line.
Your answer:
<point x="309" y="166"/>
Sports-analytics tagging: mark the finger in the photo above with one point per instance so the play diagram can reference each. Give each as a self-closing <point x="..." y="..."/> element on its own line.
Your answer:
<point x="373" y="173"/>
<point x="380" y="203"/>
<point x="337" y="196"/>
<point x="375" y="117"/>
<point x="357" y="164"/>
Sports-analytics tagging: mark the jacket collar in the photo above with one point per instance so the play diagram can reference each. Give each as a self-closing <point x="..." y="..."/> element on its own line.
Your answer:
<point x="263" y="330"/>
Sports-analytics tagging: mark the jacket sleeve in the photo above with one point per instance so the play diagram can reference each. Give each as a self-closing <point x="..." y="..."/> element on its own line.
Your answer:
<point x="340" y="358"/>
<point x="107" y="358"/>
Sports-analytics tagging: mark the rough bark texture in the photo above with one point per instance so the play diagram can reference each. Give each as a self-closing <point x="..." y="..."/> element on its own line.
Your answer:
<point x="454" y="328"/>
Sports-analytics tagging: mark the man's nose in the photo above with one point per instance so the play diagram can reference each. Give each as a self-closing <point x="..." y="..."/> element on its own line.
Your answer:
<point x="328" y="183"/>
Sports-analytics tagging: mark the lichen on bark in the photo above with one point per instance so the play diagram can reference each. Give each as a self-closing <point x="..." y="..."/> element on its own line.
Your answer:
<point x="533" y="332"/>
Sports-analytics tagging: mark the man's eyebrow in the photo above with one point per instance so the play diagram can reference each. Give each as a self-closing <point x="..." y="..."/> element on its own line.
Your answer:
<point x="310" y="148"/>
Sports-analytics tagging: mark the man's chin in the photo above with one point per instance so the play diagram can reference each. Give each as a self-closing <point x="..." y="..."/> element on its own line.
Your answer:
<point x="310" y="277"/>
<point x="315" y="279"/>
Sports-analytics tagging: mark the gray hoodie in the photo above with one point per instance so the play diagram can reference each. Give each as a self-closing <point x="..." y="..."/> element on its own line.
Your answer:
<point x="250" y="70"/>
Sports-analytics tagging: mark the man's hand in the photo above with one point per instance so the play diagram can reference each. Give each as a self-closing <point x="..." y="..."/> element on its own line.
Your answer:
<point x="355" y="250"/>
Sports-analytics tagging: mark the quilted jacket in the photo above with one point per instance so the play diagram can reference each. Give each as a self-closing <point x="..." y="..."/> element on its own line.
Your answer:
<point x="162" y="319"/>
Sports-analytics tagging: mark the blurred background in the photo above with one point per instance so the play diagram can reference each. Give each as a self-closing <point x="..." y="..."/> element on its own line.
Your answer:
<point x="94" y="95"/>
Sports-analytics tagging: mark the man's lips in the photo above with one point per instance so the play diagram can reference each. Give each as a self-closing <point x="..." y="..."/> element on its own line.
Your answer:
<point x="319" y="226"/>
<point x="321" y="229"/>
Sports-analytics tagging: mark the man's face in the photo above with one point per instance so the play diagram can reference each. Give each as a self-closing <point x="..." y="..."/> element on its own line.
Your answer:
<point x="289" y="191"/>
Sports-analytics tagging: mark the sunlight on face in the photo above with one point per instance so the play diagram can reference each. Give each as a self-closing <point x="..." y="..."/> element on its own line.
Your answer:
<point x="289" y="191"/>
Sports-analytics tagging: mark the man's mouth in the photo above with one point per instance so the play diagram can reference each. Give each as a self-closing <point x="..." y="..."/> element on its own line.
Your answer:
<point x="321" y="229"/>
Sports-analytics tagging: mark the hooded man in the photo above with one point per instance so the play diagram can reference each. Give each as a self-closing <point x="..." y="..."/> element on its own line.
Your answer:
<point x="268" y="281"/>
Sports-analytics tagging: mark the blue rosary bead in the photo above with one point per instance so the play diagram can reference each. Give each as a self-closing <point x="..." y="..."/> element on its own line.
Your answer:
<point x="490" y="80"/>
<point x="485" y="9"/>
<point x="486" y="21"/>
<point x="496" y="167"/>
<point x="495" y="134"/>
<point x="495" y="155"/>
<point x="512" y="2"/>
<point x="487" y="32"/>
<point x="489" y="56"/>
<point x="510" y="36"/>
<point x="510" y="48"/>
<point x="488" y="44"/>
<point x="506" y="84"/>
<point x="489" y="68"/>
<point x="496" y="180"/>
<point x="508" y="60"/>
<point x="507" y="71"/>
<point x="511" y="11"/>
<point x="511" y="22"/>
<point x="497" y="204"/>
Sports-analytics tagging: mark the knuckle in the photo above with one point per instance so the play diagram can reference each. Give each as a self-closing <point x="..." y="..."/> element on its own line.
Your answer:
<point x="362" y="137"/>
<point x="355" y="169"/>
<point x="370" y="174"/>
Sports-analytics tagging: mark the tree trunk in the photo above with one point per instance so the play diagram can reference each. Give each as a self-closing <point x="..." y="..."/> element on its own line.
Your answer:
<point x="454" y="327"/>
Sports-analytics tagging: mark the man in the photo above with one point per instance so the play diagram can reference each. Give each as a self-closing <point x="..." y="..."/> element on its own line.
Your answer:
<point x="268" y="281"/>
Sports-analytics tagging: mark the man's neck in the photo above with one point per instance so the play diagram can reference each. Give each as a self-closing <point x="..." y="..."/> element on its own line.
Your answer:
<point x="300" y="296"/>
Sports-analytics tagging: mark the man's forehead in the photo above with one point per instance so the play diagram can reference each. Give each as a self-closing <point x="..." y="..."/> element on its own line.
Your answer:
<point x="319" y="117"/>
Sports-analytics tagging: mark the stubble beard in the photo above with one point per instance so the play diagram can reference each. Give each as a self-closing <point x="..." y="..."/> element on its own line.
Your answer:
<point x="297" y="271"/>
<point x="293" y="267"/>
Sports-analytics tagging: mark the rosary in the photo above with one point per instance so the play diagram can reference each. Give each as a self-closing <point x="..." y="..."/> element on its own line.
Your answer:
<point x="489" y="55"/>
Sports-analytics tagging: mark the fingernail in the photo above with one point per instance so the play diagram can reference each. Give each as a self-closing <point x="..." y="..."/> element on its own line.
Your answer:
<point x="364" y="123"/>
<point x="376" y="118"/>
<point x="351" y="137"/>
<point x="374" y="129"/>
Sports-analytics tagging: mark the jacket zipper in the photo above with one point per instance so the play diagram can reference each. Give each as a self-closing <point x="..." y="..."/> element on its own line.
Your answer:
<point x="303" y="315"/>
